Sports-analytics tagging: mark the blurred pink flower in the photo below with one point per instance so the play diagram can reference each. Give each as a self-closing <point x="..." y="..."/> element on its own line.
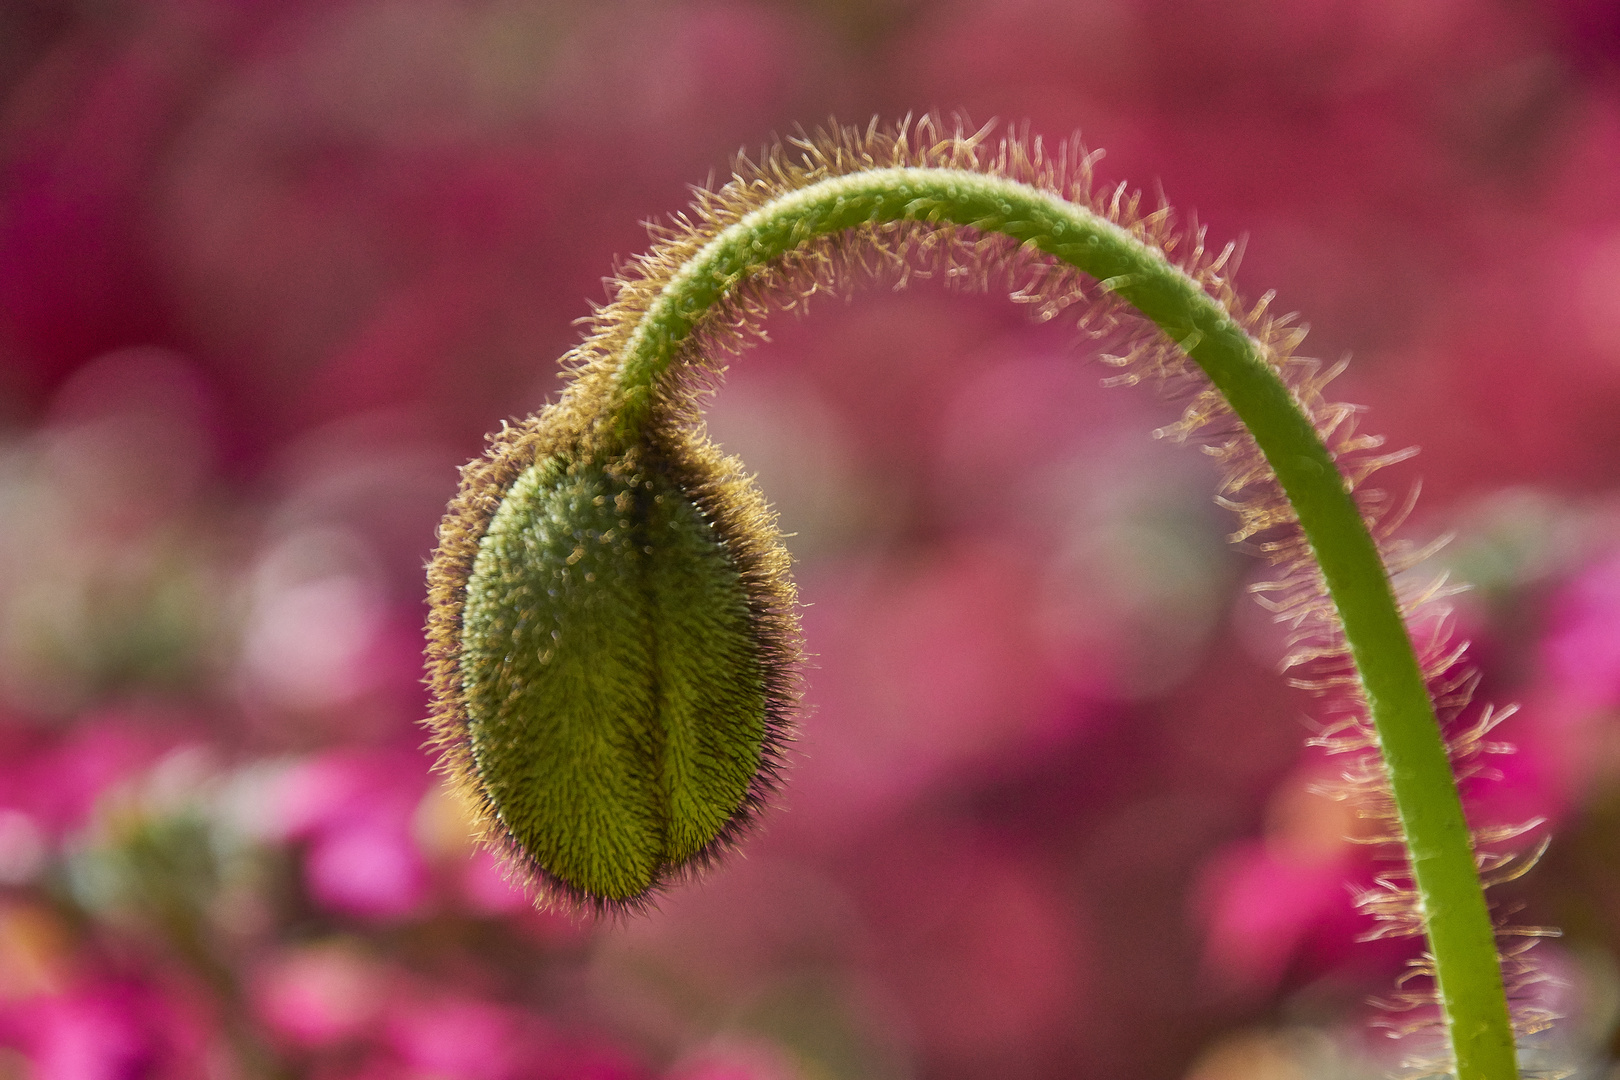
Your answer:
<point x="355" y="811"/>
<point x="89" y="1038"/>
<point x="55" y="779"/>
<point x="458" y="1039"/>
<point x="1261" y="906"/>
<point x="107" y="1030"/>
<point x="1572" y="706"/>
<point x="319" y="994"/>
<point x="1581" y="652"/>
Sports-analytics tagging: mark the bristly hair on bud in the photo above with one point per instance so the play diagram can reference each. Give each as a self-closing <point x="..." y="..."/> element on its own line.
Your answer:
<point x="612" y="639"/>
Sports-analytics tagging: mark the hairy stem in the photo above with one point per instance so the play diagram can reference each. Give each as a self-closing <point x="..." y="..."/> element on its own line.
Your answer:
<point x="1460" y="933"/>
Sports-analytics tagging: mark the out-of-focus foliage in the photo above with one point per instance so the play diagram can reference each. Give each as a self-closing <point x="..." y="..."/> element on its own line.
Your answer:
<point x="268" y="272"/>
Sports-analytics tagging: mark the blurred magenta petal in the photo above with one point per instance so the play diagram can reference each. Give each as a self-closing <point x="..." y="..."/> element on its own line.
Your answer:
<point x="320" y="994"/>
<point x="367" y="868"/>
<point x="354" y="810"/>
<point x="1260" y="907"/>
<point x="59" y="780"/>
<point x="456" y="1039"/>
<point x="1582" y="651"/>
<point x="95" y="1035"/>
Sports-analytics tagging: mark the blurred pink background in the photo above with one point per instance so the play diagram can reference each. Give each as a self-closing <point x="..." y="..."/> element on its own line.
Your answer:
<point x="269" y="272"/>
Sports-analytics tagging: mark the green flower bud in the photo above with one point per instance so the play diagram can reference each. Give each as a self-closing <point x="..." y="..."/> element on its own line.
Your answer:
<point x="615" y="686"/>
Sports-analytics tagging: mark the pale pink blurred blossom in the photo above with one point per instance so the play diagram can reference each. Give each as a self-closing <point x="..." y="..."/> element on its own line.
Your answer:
<point x="1260" y="906"/>
<point x="322" y="993"/>
<point x="354" y="810"/>
<point x="459" y="1039"/>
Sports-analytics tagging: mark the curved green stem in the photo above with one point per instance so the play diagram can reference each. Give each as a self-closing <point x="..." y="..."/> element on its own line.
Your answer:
<point x="1461" y="936"/>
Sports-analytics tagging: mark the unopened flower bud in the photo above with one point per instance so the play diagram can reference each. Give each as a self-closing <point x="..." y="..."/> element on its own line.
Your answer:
<point x="617" y="684"/>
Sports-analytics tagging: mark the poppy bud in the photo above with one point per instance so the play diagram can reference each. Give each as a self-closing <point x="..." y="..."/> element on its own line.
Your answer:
<point x="621" y="665"/>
